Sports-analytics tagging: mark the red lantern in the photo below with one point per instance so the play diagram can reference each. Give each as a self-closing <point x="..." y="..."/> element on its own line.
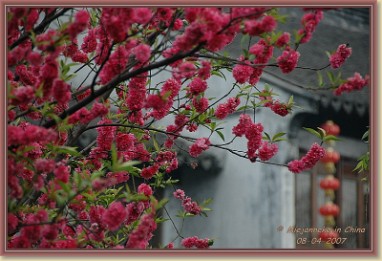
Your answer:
<point x="330" y="182"/>
<point x="331" y="128"/>
<point x="328" y="234"/>
<point x="329" y="209"/>
<point x="330" y="156"/>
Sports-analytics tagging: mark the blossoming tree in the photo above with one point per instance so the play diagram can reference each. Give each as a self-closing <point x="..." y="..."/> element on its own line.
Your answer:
<point x="103" y="196"/>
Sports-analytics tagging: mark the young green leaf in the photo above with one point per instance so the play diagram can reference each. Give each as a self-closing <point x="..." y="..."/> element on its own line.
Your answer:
<point x="312" y="131"/>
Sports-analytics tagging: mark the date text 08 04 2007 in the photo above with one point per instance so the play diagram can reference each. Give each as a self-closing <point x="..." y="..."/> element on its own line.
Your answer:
<point x="313" y="241"/>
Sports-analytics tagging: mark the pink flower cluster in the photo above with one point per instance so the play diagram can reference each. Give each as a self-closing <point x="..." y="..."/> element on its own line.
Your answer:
<point x="255" y="27"/>
<point x="253" y="132"/>
<point x="288" y="60"/>
<point x="199" y="146"/>
<point x="80" y="23"/>
<point x="114" y="215"/>
<point x="142" y="53"/>
<point x="229" y="107"/>
<point x="136" y="98"/>
<point x="188" y="205"/>
<point x="162" y="102"/>
<point x="117" y="21"/>
<point x="263" y="52"/>
<point x="283" y="40"/>
<point x="242" y="72"/>
<point x="115" y="65"/>
<point x="90" y="42"/>
<point x="310" y="22"/>
<point x="140" y="237"/>
<point x="194" y="241"/>
<point x="280" y="108"/>
<point x="28" y="133"/>
<point x="338" y="58"/>
<point x="200" y="104"/>
<point x="197" y="86"/>
<point x="315" y="153"/>
<point x="352" y="83"/>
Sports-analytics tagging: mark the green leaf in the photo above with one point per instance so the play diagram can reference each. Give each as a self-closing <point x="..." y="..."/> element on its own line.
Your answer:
<point x="277" y="136"/>
<point x="331" y="137"/>
<point x="290" y="101"/>
<point x="331" y="77"/>
<point x="365" y="136"/>
<point x="221" y="135"/>
<point x="322" y="132"/>
<point x="114" y="156"/>
<point x="156" y="146"/>
<point x="162" y="203"/>
<point x="67" y="150"/>
<point x="314" y="132"/>
<point x="220" y="74"/>
<point x="320" y="79"/>
<point x="128" y="166"/>
<point x="267" y="137"/>
<point x="161" y="220"/>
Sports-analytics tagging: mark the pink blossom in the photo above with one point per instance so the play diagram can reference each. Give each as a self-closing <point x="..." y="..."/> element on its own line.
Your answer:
<point x="245" y="122"/>
<point x="352" y="83"/>
<point x="283" y="39"/>
<point x="241" y="73"/>
<point x="191" y="206"/>
<point x="185" y="70"/>
<point x="26" y="76"/>
<point x="315" y="153"/>
<point x="83" y="115"/>
<point x="200" y="104"/>
<point x="142" y="53"/>
<point x="309" y="22"/>
<point x="205" y="71"/>
<point x="125" y="141"/>
<point x="114" y="216"/>
<point x="179" y="194"/>
<point x="139" y="237"/>
<point x="227" y="108"/>
<point x="267" y="150"/>
<point x="149" y="172"/>
<point x="62" y="173"/>
<point x="23" y="95"/>
<point x="145" y="189"/>
<point x="197" y="86"/>
<point x="117" y="177"/>
<point x="114" y="65"/>
<point x="61" y="91"/>
<point x="142" y="15"/>
<point x="80" y="23"/>
<point x="255" y="27"/>
<point x="44" y="165"/>
<point x="90" y="42"/>
<point x="296" y="166"/>
<point x="106" y="134"/>
<point x="34" y="58"/>
<point x="338" y="58"/>
<point x="49" y="70"/>
<point x="191" y="242"/>
<point x="280" y="108"/>
<point x="98" y="110"/>
<point x="287" y="61"/>
<point x="199" y="146"/>
<point x="13" y="221"/>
